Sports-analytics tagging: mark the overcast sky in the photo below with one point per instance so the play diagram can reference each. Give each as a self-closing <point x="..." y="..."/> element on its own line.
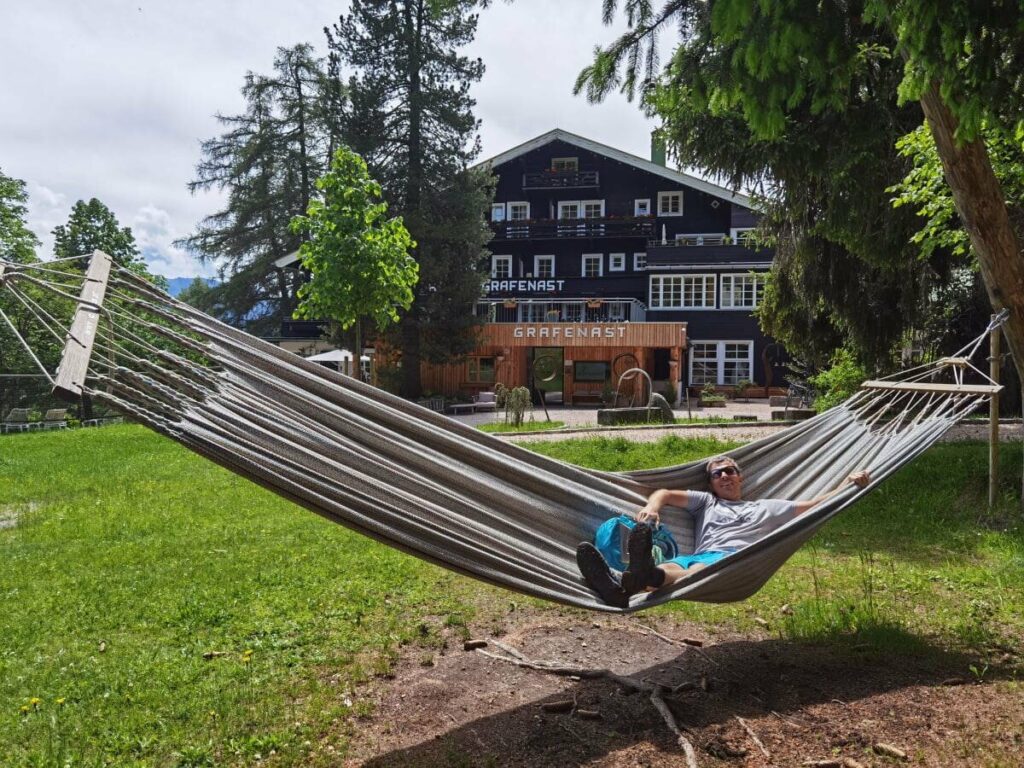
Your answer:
<point x="110" y="99"/>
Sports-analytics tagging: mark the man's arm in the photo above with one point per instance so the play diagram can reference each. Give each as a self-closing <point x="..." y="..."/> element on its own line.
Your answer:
<point x="860" y="479"/>
<point x="651" y="512"/>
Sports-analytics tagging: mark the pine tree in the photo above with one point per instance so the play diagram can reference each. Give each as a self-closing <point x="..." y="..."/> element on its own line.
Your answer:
<point x="410" y="116"/>
<point x="268" y="161"/>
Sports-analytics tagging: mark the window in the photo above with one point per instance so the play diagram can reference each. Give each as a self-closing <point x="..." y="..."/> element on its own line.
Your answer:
<point x="498" y="212"/>
<point x="699" y="291"/>
<point x="742" y="291"/>
<point x="639" y="262"/>
<point x="670" y="203"/>
<point x="682" y="292"/>
<point x="616" y="262"/>
<point x="535" y="312"/>
<point x="721" y="362"/>
<point x="587" y="370"/>
<point x="593" y="209"/>
<point x="592" y="263"/>
<point x="501" y="267"/>
<point x="666" y="291"/>
<point x="569" y="209"/>
<point x="480" y="370"/>
<point x="518" y="211"/>
<point x="565" y="164"/>
<point x="543" y="266"/>
<point x="642" y="207"/>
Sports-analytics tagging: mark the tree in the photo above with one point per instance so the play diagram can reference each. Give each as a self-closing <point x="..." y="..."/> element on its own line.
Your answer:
<point x="358" y="259"/>
<point x="267" y="161"/>
<point x="410" y="116"/>
<point x="93" y="226"/>
<point x="780" y="62"/>
<point x="17" y="242"/>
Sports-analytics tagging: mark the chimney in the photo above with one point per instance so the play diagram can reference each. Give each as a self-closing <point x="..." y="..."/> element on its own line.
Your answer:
<point x="657" y="148"/>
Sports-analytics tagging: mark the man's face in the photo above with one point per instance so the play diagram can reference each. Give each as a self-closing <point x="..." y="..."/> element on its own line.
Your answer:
<point x="726" y="481"/>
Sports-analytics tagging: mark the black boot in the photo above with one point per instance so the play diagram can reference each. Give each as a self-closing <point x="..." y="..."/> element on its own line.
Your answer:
<point x="599" y="576"/>
<point x="642" y="572"/>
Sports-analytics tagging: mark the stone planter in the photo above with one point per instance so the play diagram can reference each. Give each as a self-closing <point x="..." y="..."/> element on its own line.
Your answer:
<point x="716" y="403"/>
<point x="610" y="417"/>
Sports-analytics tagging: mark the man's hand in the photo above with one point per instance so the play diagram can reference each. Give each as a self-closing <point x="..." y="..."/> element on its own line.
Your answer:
<point x="650" y="515"/>
<point x="860" y="478"/>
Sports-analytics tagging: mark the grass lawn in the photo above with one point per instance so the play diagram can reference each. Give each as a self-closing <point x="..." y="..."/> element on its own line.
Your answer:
<point x="526" y="426"/>
<point x="158" y="611"/>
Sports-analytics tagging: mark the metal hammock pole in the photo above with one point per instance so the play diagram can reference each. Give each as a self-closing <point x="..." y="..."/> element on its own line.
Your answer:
<point x="993" y="416"/>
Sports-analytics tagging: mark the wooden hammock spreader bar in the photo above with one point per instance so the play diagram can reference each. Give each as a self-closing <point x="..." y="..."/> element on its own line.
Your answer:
<point x="74" y="362"/>
<point x="914" y="386"/>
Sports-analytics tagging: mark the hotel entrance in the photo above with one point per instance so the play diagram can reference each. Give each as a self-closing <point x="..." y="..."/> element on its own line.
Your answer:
<point x="547" y="376"/>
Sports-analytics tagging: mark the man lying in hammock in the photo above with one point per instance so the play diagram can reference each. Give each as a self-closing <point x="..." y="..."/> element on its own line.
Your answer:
<point x="723" y="524"/>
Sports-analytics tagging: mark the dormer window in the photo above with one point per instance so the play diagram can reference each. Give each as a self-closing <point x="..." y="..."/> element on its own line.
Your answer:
<point x="565" y="164"/>
<point x="670" y="203"/>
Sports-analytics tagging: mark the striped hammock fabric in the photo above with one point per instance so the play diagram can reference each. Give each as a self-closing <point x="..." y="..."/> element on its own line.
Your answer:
<point x="429" y="485"/>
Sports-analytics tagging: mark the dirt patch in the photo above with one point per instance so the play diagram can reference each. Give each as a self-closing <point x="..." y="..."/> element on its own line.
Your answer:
<point x="11" y="515"/>
<point x="801" y="702"/>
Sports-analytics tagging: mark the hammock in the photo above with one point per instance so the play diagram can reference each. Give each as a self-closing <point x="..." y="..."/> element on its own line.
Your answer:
<point x="429" y="485"/>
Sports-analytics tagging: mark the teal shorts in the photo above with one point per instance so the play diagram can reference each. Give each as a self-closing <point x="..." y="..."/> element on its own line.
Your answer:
<point x="704" y="558"/>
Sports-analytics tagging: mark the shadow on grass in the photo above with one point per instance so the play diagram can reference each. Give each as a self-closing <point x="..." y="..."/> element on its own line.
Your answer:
<point x="749" y="679"/>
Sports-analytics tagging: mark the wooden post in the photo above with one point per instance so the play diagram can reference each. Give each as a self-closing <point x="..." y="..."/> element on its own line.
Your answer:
<point x="74" y="363"/>
<point x="993" y="418"/>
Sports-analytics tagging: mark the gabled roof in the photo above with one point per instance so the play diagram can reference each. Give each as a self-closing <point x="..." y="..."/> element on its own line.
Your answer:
<point x="623" y="157"/>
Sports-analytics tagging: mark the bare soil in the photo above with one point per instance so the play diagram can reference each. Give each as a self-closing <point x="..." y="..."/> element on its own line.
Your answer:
<point x="803" y="702"/>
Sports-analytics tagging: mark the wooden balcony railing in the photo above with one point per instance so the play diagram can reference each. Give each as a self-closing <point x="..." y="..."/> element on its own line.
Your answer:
<point x="561" y="180"/>
<point x="555" y="229"/>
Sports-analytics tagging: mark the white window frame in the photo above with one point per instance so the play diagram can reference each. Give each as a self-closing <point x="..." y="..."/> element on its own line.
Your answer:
<point x="642" y="202"/>
<point x="508" y="211"/>
<point x="574" y="162"/>
<point x="720" y="360"/>
<point x="736" y="233"/>
<point x="616" y="258"/>
<point x="669" y="194"/>
<point x="640" y="261"/>
<point x="498" y="212"/>
<point x="704" y="278"/>
<point x="536" y="265"/>
<point x="495" y="259"/>
<point x="655" y="301"/>
<point x="600" y="264"/>
<point x="730" y="279"/>
<point x="579" y="209"/>
<point x="700" y="236"/>
<point x="583" y="209"/>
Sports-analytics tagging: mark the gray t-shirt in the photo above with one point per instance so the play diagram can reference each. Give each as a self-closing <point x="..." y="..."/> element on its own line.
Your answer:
<point x="719" y="524"/>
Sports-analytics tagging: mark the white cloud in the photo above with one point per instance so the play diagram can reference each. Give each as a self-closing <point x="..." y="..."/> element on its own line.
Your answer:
<point x="155" y="234"/>
<point x="114" y="105"/>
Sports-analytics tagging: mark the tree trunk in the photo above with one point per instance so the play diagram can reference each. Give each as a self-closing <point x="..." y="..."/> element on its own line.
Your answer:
<point x="979" y="201"/>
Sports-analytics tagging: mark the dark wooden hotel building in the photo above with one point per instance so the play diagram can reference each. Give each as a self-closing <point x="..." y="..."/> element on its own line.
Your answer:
<point x="603" y="261"/>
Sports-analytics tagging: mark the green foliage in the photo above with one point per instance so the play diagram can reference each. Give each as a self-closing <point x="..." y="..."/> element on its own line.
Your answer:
<point x="17" y="242"/>
<point x="91" y="227"/>
<point x="267" y="162"/>
<point x="530" y="426"/>
<point x="839" y="381"/>
<point x="410" y="116"/>
<point x="516" y="403"/>
<point x="359" y="260"/>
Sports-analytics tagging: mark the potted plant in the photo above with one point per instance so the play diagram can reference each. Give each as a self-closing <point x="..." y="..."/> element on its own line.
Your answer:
<point x="741" y="389"/>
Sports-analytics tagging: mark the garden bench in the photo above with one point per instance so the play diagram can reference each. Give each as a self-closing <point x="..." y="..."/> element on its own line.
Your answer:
<point x="55" y="419"/>
<point x="486" y="401"/>
<point x="457" y="408"/>
<point x="17" y="421"/>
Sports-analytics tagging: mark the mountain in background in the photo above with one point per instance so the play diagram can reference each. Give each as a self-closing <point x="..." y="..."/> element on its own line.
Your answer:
<point x="176" y="285"/>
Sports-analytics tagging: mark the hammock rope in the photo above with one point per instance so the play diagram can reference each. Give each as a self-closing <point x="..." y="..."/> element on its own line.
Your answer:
<point x="437" y="488"/>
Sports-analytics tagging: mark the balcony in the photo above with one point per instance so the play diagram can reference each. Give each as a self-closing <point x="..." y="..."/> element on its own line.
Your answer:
<point x="706" y="250"/>
<point x="558" y="229"/>
<point x="561" y="180"/>
<point x="615" y="310"/>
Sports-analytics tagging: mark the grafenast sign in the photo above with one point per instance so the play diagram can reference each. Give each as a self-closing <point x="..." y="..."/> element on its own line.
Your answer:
<point x="569" y="331"/>
<point x="525" y="286"/>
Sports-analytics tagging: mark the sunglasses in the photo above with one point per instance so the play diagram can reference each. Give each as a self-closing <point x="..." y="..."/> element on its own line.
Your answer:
<point x="717" y="473"/>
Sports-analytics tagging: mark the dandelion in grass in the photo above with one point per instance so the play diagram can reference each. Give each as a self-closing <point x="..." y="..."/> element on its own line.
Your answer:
<point x="60" y="701"/>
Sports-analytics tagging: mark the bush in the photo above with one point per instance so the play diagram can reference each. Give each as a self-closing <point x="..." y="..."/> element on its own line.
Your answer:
<point x="516" y="402"/>
<point x="670" y="393"/>
<point x="836" y="383"/>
